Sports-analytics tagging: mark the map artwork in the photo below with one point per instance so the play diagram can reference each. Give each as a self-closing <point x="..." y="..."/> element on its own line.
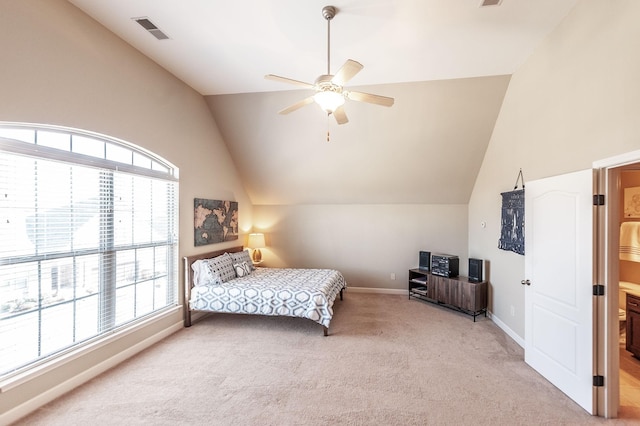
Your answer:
<point x="215" y="221"/>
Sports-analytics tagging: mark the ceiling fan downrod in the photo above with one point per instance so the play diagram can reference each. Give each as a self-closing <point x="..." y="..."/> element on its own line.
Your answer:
<point x="328" y="12"/>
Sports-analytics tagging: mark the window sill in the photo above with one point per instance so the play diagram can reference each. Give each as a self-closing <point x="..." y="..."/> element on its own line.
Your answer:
<point x="18" y="378"/>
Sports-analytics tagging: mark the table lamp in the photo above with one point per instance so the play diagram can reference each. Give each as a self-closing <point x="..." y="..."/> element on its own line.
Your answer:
<point x="256" y="242"/>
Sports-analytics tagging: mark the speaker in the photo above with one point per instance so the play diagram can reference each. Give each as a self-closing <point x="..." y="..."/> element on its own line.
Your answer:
<point x="475" y="270"/>
<point x="425" y="260"/>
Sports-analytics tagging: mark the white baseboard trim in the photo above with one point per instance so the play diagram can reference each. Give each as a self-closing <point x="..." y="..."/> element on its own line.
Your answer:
<point x="394" y="291"/>
<point x="49" y="395"/>
<point x="506" y="329"/>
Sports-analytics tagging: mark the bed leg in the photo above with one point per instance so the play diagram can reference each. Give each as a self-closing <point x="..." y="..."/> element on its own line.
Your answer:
<point x="326" y="330"/>
<point x="341" y="294"/>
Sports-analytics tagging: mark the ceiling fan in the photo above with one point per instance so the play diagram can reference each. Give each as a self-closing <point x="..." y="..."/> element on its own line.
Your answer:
<point x="330" y="92"/>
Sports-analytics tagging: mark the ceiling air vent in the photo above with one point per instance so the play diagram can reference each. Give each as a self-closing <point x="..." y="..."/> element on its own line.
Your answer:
<point x="150" y="26"/>
<point x="484" y="3"/>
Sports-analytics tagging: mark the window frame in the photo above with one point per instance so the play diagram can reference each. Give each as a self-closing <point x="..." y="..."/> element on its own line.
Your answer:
<point x="158" y="169"/>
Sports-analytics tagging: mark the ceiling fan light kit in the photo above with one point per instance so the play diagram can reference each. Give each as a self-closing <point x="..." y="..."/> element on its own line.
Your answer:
<point x="330" y="93"/>
<point x="330" y="97"/>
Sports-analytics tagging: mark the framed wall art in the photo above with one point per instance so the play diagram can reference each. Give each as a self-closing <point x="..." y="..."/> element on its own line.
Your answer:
<point x="215" y="221"/>
<point x="632" y="202"/>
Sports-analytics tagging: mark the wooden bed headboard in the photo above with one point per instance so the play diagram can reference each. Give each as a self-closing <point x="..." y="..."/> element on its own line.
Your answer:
<point x="188" y="276"/>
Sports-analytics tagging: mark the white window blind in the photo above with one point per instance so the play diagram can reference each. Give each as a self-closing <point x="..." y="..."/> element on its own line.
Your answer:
<point x="88" y="240"/>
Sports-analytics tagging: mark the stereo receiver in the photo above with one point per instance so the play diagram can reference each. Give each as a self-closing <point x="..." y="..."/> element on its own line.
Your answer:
<point x="444" y="265"/>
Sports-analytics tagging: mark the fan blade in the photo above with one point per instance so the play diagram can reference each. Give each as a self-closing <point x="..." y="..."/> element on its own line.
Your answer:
<point x="369" y="98"/>
<point x="346" y="73"/>
<point x="289" y="80"/>
<point x="297" y="105"/>
<point x="340" y="115"/>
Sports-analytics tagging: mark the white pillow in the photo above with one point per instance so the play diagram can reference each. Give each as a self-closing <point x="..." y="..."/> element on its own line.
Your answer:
<point x="202" y="273"/>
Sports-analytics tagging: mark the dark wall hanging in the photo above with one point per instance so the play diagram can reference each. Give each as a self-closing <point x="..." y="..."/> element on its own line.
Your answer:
<point x="512" y="220"/>
<point x="215" y="221"/>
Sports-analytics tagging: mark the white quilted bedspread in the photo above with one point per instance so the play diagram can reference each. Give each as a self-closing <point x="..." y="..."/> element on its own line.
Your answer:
<point x="304" y="293"/>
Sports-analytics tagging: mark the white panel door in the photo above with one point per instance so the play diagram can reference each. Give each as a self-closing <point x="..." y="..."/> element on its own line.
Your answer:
<point x="559" y="284"/>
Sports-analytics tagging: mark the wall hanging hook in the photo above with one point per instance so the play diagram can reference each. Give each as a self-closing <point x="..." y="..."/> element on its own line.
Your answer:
<point x="519" y="178"/>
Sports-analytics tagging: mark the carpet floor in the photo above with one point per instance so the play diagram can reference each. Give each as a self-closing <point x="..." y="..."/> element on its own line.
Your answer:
<point x="387" y="361"/>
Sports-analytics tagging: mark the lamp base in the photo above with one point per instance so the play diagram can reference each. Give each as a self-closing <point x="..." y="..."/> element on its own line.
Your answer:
<point x="257" y="256"/>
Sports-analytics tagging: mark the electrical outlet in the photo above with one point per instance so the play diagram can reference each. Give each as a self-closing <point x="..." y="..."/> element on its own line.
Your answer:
<point x="513" y="311"/>
<point x="393" y="276"/>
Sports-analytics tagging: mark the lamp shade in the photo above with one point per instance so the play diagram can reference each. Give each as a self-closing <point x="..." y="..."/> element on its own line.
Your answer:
<point x="256" y="240"/>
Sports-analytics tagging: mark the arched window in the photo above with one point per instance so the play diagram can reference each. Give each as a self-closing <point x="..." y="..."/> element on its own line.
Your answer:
<point x="88" y="239"/>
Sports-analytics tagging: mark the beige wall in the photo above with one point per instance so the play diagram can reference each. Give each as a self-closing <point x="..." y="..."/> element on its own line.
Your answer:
<point x="574" y="101"/>
<point x="60" y="67"/>
<point x="366" y="242"/>
<point x="426" y="149"/>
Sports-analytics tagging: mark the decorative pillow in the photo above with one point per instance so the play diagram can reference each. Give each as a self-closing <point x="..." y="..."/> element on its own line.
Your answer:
<point x="202" y="274"/>
<point x="242" y="269"/>
<point x="222" y="266"/>
<point x="243" y="256"/>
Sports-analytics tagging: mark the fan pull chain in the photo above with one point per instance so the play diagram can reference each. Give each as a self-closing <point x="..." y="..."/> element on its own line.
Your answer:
<point x="328" y="121"/>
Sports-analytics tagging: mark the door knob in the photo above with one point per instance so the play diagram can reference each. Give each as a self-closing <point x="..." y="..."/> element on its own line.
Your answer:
<point x="527" y="282"/>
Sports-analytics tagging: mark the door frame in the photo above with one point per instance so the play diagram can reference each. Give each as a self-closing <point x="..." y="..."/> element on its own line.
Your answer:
<point x="607" y="240"/>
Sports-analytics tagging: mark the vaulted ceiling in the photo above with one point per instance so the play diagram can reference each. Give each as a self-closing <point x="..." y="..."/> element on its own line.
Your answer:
<point x="447" y="64"/>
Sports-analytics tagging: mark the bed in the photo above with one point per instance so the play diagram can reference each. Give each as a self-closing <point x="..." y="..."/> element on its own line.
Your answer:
<point x="213" y="283"/>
